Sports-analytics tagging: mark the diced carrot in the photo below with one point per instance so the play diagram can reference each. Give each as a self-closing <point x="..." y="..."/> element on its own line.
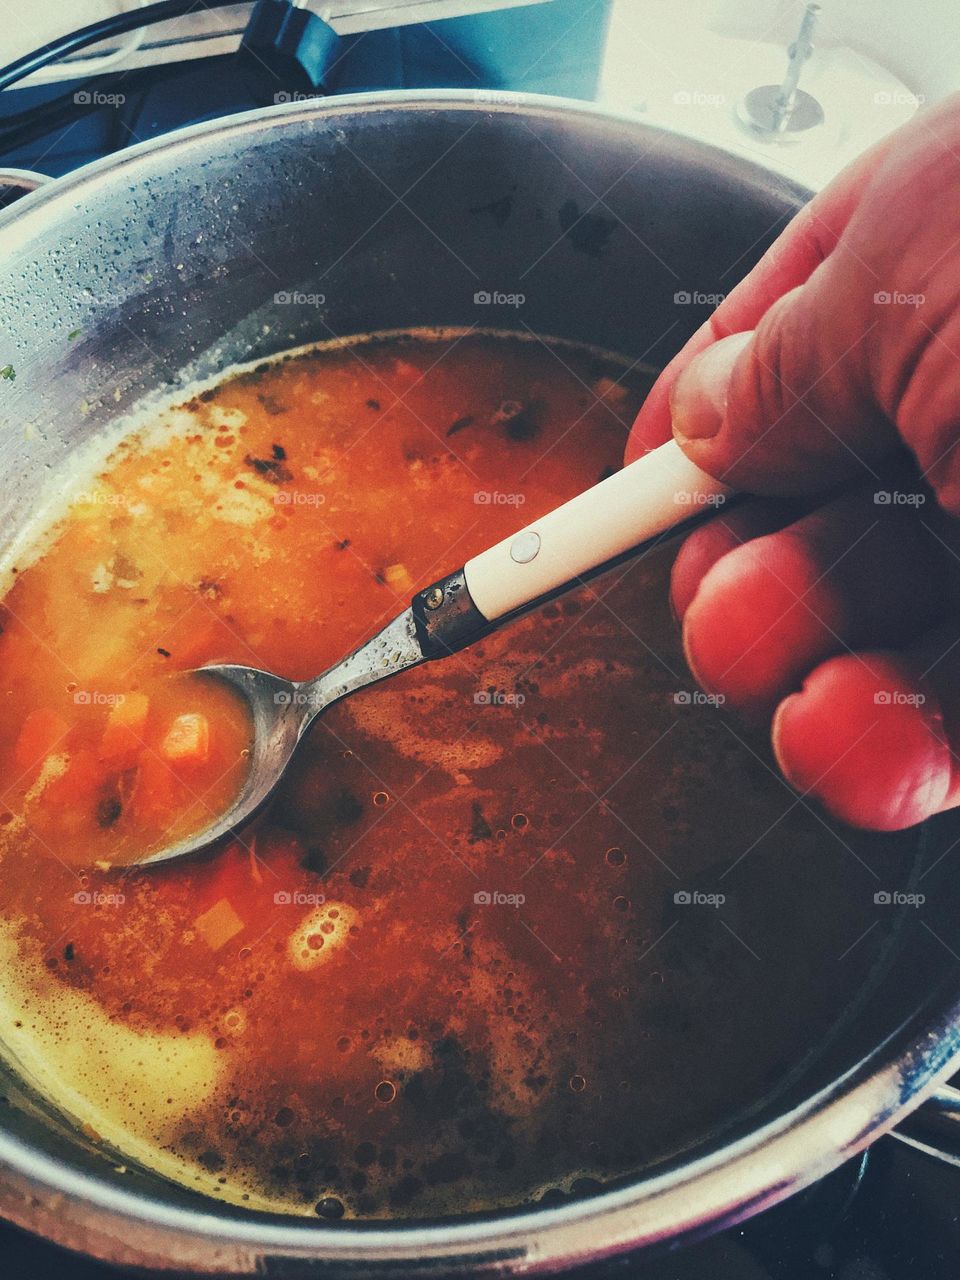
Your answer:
<point x="155" y="790"/>
<point x="42" y="732"/>
<point x="122" y="739"/>
<point x="219" y="924"/>
<point x="187" y="740"/>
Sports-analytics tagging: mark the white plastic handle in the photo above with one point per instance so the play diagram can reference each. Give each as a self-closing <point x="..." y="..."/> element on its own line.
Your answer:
<point x="651" y="495"/>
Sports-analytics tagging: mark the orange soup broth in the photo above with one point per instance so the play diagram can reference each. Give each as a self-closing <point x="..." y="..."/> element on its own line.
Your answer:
<point x="430" y="977"/>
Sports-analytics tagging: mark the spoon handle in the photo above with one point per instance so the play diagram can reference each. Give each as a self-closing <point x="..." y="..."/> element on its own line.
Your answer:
<point x="648" y="497"/>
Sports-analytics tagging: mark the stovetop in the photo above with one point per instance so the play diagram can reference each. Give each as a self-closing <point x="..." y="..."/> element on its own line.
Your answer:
<point x="893" y="1214"/>
<point x="553" y="47"/>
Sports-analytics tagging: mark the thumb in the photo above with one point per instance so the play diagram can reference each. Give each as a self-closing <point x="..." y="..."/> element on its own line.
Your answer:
<point x="787" y="408"/>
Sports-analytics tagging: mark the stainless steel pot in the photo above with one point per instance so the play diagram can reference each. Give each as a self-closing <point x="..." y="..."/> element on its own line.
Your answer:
<point x="236" y="239"/>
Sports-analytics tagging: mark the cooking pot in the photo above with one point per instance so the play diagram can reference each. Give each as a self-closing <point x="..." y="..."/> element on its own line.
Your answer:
<point x="239" y="238"/>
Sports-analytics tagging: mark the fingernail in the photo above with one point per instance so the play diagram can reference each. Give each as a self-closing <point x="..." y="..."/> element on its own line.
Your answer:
<point x="699" y="399"/>
<point x="776" y="734"/>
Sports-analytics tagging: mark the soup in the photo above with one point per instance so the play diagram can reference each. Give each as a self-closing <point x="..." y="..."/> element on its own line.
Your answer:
<point x="480" y="949"/>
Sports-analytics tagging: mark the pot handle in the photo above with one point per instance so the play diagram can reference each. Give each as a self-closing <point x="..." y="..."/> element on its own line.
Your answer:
<point x="935" y="1126"/>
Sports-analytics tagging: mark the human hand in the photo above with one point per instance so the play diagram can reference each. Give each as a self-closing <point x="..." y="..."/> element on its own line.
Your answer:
<point x="835" y="365"/>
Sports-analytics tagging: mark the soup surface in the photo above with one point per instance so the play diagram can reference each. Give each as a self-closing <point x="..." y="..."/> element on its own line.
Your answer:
<point x="512" y="923"/>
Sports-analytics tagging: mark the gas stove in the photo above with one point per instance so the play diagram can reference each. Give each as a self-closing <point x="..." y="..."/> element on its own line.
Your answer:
<point x="180" y="73"/>
<point x="893" y="1214"/>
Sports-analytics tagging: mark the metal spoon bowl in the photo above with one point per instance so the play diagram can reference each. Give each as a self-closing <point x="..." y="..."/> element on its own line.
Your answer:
<point x="282" y="711"/>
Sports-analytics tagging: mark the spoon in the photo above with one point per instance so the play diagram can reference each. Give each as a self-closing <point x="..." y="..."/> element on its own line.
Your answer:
<point x="655" y="493"/>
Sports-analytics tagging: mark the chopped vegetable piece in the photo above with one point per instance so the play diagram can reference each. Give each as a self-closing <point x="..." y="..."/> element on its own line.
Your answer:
<point x="218" y="925"/>
<point x="101" y="579"/>
<point x="187" y="740"/>
<point x="610" y="389"/>
<point x="398" y="577"/>
<point x="122" y="739"/>
<point x="41" y="733"/>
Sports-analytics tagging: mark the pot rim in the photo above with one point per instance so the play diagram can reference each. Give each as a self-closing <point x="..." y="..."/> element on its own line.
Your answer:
<point x="717" y="1189"/>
